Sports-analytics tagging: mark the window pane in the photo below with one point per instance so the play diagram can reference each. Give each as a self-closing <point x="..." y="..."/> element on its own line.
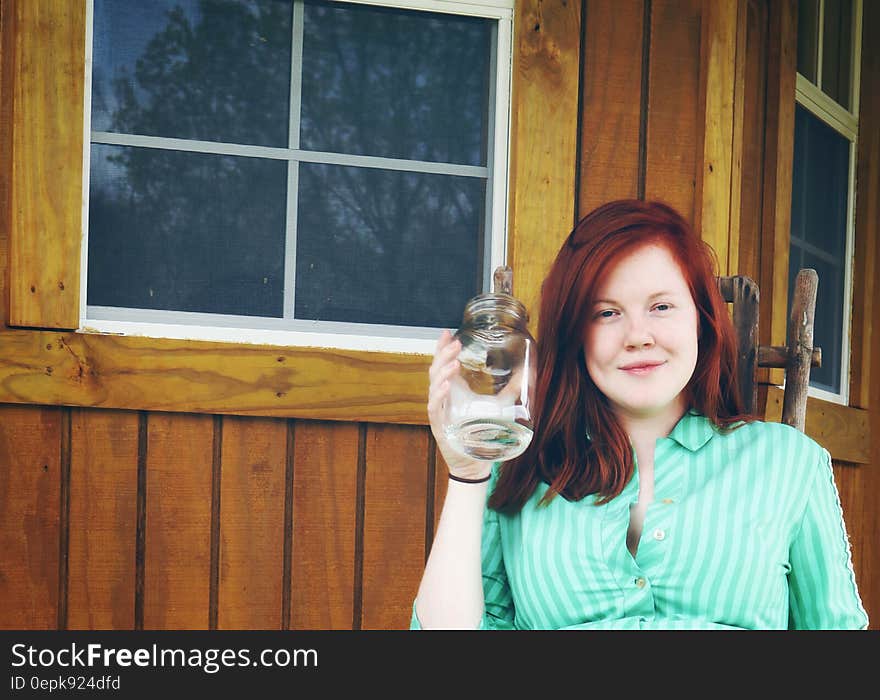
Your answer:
<point x="808" y="38"/>
<point x="818" y="232"/>
<point x="186" y="232"/>
<point x="820" y="184"/>
<point x="837" y="51"/>
<point x="380" y="246"/>
<point x="213" y="70"/>
<point x="395" y="83"/>
<point x="828" y="322"/>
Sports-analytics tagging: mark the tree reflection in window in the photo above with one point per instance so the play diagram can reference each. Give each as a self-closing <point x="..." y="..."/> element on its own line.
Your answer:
<point x="177" y="230"/>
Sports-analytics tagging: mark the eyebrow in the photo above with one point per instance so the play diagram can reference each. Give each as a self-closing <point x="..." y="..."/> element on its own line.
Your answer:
<point x="655" y="295"/>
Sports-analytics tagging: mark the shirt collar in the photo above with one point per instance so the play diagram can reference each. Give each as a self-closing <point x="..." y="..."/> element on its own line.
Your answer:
<point x="693" y="430"/>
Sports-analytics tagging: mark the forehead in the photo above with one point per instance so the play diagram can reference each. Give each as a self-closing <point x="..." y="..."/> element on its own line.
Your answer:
<point x="644" y="271"/>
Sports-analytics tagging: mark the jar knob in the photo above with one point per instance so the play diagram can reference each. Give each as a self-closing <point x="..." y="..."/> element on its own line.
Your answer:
<point x="503" y="280"/>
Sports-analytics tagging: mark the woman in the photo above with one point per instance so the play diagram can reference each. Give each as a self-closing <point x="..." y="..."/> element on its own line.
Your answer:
<point x="648" y="497"/>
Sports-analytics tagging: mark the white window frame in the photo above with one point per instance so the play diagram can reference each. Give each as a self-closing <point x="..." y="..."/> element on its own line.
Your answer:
<point x="846" y="123"/>
<point x="300" y="332"/>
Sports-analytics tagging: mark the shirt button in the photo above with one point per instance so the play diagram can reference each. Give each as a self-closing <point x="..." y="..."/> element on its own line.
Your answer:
<point x="659" y="534"/>
<point x="640" y="582"/>
<point x="667" y="501"/>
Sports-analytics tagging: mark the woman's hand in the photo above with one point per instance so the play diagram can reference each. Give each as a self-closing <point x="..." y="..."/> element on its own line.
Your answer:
<point x="444" y="366"/>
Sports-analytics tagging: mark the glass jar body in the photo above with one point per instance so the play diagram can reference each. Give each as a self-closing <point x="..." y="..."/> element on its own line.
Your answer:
<point x="489" y="409"/>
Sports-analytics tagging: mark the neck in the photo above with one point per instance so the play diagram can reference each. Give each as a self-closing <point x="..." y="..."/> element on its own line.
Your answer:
<point x="645" y="430"/>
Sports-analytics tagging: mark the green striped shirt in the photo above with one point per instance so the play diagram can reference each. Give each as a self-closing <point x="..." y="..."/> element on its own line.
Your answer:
<point x="745" y="531"/>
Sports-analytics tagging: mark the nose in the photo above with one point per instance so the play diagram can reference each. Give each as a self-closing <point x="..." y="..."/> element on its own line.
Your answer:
<point x="638" y="334"/>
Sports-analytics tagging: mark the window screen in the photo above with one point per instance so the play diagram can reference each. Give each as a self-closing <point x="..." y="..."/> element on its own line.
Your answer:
<point x="306" y="161"/>
<point x="818" y="233"/>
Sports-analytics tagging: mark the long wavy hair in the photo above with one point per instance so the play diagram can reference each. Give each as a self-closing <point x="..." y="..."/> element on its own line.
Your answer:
<point x="567" y="403"/>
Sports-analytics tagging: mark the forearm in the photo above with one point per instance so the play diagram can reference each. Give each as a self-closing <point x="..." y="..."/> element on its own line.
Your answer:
<point x="451" y="592"/>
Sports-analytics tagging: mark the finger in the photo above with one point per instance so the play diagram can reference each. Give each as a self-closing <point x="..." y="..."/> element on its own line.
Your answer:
<point x="443" y="340"/>
<point x="437" y="398"/>
<point x="443" y="375"/>
<point x="443" y="357"/>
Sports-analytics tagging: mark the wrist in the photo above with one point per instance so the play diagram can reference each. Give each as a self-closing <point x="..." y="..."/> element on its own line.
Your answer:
<point x="477" y="480"/>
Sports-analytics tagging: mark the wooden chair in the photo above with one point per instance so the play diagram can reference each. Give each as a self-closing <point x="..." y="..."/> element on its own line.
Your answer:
<point x="796" y="357"/>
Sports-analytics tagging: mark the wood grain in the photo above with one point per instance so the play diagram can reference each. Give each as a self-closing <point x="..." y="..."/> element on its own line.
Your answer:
<point x="610" y="121"/>
<point x="7" y="33"/>
<point x="178" y="521"/>
<point x="750" y="205"/>
<point x="30" y="466"/>
<point x="324" y="517"/>
<point x="779" y="153"/>
<point x="394" y="524"/>
<point x="842" y="430"/>
<point x="251" y="523"/>
<point x="47" y="163"/>
<point x="720" y="132"/>
<point x="108" y="371"/>
<point x="544" y="131"/>
<point x="672" y="158"/>
<point x="103" y="518"/>
<point x="867" y="222"/>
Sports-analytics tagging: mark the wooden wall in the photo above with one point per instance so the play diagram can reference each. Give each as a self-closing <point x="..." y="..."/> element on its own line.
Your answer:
<point x="162" y="485"/>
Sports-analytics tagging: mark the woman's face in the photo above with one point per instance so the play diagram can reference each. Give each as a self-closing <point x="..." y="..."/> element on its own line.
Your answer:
<point x="641" y="339"/>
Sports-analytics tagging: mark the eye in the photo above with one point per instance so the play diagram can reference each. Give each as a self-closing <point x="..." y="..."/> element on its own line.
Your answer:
<point x="663" y="307"/>
<point x="607" y="313"/>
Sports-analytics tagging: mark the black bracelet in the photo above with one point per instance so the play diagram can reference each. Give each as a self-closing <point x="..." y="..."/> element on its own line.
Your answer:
<point x="470" y="481"/>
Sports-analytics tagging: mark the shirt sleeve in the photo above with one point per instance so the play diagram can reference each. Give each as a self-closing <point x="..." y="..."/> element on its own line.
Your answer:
<point x="822" y="585"/>
<point x="498" y="611"/>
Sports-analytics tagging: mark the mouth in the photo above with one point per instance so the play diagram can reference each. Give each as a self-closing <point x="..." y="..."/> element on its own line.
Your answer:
<point x="642" y="368"/>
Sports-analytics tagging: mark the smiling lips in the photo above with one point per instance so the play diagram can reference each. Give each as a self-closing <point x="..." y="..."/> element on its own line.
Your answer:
<point x="641" y="368"/>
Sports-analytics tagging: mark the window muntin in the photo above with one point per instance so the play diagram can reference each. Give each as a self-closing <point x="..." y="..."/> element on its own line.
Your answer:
<point x="823" y="178"/>
<point x="334" y="243"/>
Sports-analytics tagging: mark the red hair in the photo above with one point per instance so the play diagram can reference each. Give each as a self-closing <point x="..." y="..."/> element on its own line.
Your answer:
<point x="567" y="402"/>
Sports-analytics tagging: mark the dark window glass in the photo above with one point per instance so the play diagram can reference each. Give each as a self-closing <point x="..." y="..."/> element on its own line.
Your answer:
<point x="186" y="231"/>
<point x="808" y="39"/>
<point x="179" y="230"/>
<point x="210" y="70"/>
<point x="381" y="246"/>
<point x="837" y="51"/>
<point x="818" y="232"/>
<point x="395" y="83"/>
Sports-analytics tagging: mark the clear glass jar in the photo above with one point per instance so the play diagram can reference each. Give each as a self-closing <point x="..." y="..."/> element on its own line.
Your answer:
<point x="488" y="412"/>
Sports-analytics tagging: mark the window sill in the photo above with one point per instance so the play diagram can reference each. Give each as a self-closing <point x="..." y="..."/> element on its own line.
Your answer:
<point x="842" y="430"/>
<point x="161" y="374"/>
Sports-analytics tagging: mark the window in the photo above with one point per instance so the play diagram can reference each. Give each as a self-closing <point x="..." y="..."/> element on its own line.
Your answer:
<point x="823" y="179"/>
<point x="304" y="172"/>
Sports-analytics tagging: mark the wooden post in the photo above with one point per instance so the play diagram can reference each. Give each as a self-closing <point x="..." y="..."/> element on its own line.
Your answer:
<point x="800" y="348"/>
<point x="503" y="280"/>
<point x="743" y="293"/>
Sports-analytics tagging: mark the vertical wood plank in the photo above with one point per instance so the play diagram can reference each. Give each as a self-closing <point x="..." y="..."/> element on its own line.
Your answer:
<point x="779" y="154"/>
<point x="751" y="201"/>
<point x="178" y="521"/>
<point x="252" y="523"/>
<point x="544" y="134"/>
<point x="673" y="104"/>
<point x="7" y="33"/>
<point x="47" y="164"/>
<point x="103" y="519"/>
<point x="611" y="114"/>
<point x="868" y="380"/>
<point x="324" y="517"/>
<point x="864" y="363"/>
<point x="721" y="131"/>
<point x="394" y="523"/>
<point x="30" y="465"/>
